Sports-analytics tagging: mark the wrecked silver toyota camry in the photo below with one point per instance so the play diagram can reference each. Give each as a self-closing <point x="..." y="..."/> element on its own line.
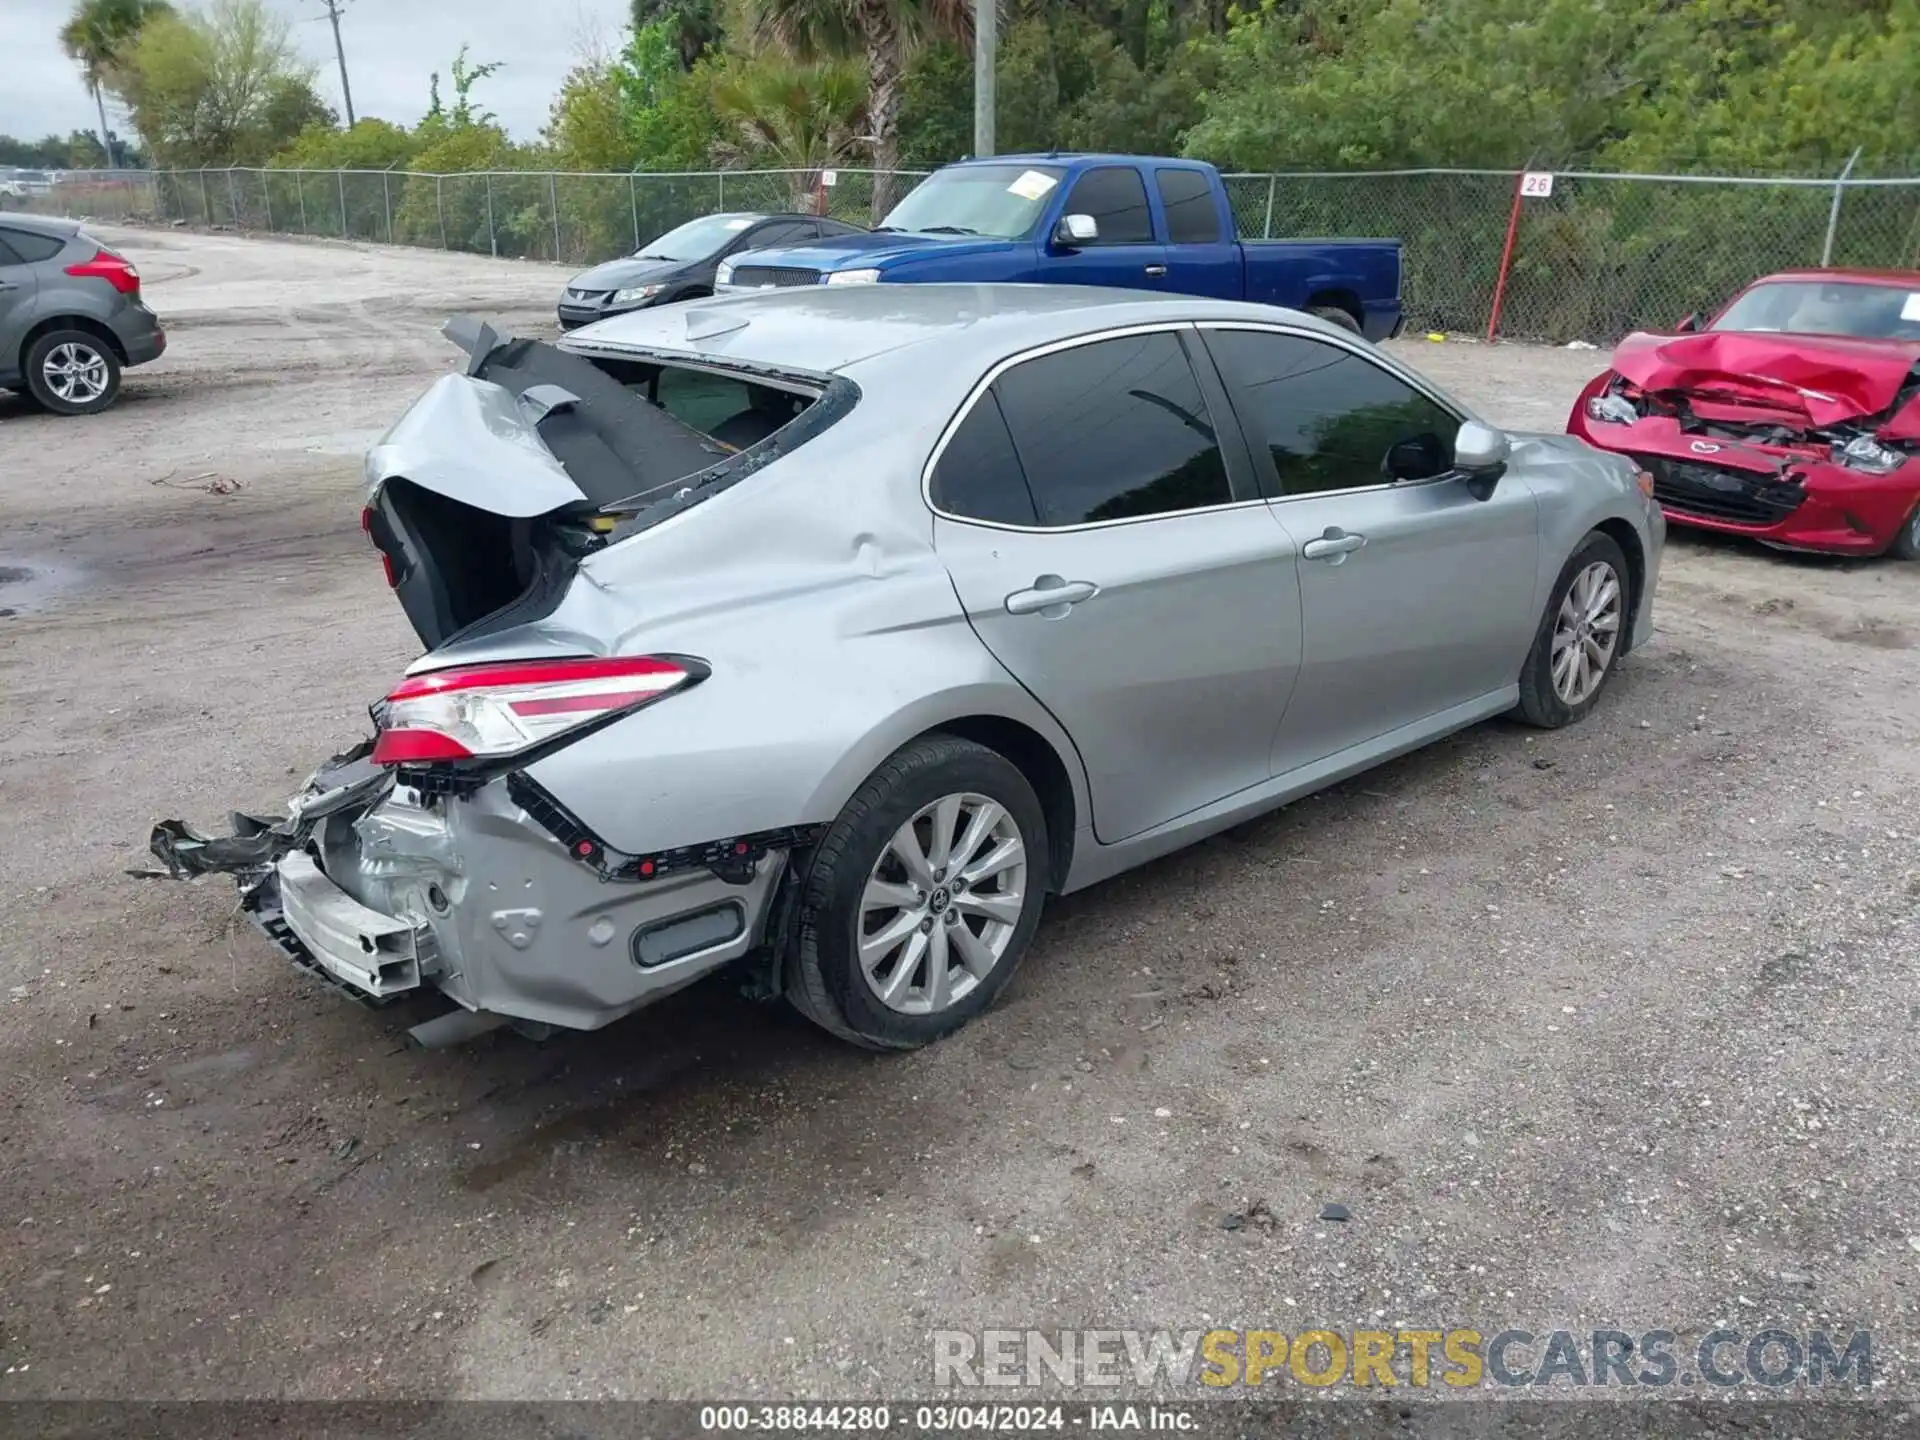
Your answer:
<point x="822" y="633"/>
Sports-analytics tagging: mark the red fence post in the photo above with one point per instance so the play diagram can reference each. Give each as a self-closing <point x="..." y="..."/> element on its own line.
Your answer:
<point x="1506" y="257"/>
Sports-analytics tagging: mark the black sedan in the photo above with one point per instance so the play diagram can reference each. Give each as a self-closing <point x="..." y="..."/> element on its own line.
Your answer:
<point x="680" y="264"/>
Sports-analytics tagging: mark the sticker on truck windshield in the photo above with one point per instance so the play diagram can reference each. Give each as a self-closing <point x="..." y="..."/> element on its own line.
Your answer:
<point x="1910" y="307"/>
<point x="1032" y="185"/>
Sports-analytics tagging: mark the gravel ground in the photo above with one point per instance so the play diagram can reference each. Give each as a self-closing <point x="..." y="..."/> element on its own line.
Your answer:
<point x="1613" y="1026"/>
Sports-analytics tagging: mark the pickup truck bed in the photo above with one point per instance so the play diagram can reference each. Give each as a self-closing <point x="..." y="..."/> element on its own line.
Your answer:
<point x="1124" y="222"/>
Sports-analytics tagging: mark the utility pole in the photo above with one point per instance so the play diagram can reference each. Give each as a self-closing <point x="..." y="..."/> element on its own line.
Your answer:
<point x="986" y="42"/>
<point x="334" y="7"/>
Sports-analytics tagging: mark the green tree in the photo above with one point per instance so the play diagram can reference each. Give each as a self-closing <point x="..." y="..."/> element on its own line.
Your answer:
<point x="696" y="27"/>
<point x="786" y="116"/>
<point x="223" y="86"/>
<point x="369" y="145"/>
<point x="96" y="37"/>
<point x="881" y="35"/>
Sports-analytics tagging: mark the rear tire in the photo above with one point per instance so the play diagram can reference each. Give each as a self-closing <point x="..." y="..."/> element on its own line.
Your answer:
<point x="879" y="958"/>
<point x="72" y="372"/>
<point x="1334" y="315"/>
<point x="1906" y="543"/>
<point x="1580" y="636"/>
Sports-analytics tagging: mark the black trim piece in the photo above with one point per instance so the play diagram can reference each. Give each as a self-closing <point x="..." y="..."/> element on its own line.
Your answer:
<point x="732" y="859"/>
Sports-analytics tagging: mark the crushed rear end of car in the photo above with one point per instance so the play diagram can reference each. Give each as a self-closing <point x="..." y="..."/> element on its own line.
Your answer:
<point x="431" y="856"/>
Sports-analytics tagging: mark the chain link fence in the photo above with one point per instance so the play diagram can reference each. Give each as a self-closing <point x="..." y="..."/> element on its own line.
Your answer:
<point x="1601" y="255"/>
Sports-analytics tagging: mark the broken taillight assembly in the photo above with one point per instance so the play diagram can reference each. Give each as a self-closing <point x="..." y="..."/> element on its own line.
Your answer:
<point x="487" y="711"/>
<point x="107" y="266"/>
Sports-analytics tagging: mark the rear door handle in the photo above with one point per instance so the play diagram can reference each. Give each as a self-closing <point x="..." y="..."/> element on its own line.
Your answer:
<point x="1051" y="596"/>
<point x="1334" y="546"/>
<point x="1156" y="271"/>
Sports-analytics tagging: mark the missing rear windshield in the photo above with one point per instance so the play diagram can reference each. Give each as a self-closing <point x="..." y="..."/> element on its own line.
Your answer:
<point x="748" y="415"/>
<point x="641" y="436"/>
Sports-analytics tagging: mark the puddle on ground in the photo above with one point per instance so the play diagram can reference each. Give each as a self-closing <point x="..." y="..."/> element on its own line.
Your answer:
<point x="27" y="588"/>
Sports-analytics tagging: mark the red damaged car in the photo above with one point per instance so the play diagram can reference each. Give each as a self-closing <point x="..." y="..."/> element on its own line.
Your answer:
<point x="1793" y="417"/>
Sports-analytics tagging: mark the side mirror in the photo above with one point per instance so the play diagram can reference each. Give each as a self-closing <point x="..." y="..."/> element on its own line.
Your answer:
<point x="1689" y="323"/>
<point x="1480" y="454"/>
<point x="1076" y="230"/>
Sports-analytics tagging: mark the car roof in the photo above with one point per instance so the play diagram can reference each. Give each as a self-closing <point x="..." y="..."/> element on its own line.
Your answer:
<point x="827" y="329"/>
<point x="1080" y="157"/>
<point x="1908" y="278"/>
<point x="57" y="226"/>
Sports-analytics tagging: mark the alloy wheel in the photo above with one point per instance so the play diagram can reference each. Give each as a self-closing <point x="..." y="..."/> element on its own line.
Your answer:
<point x="75" y="373"/>
<point x="941" y="904"/>
<point x="1586" y="631"/>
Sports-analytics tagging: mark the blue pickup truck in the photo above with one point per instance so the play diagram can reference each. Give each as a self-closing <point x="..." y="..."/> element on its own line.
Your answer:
<point x="1124" y="221"/>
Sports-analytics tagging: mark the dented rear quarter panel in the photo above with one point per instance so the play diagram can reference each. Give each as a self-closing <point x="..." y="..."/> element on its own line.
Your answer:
<point x="831" y="646"/>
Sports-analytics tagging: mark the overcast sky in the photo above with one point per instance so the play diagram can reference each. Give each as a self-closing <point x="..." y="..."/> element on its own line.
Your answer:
<point x="392" y="47"/>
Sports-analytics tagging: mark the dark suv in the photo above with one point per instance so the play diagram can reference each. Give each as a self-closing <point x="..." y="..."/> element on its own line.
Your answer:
<point x="70" y="315"/>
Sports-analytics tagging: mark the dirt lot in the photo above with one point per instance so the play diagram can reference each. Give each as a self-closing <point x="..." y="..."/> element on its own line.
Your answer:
<point x="1609" y="1026"/>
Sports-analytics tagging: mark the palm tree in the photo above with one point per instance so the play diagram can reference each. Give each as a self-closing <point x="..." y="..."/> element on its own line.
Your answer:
<point x="799" y="118"/>
<point x="95" y="38"/>
<point x="880" y="33"/>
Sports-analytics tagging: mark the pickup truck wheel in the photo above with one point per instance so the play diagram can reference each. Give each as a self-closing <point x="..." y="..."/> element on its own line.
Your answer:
<point x="71" y="372"/>
<point x="1334" y="315"/>
<point x="1580" y="636"/>
<point x="922" y="897"/>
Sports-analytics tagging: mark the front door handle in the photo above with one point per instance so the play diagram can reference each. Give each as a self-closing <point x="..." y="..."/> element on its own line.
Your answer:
<point x="1051" y="597"/>
<point x="1156" y="271"/>
<point x="1333" y="546"/>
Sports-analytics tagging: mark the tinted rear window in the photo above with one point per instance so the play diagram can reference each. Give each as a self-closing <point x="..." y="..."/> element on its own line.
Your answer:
<point x="1114" y="430"/>
<point x="1185" y="195"/>
<point x="31" y="247"/>
<point x="979" y="476"/>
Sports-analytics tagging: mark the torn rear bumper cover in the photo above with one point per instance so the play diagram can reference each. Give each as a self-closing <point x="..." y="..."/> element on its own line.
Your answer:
<point x="383" y="890"/>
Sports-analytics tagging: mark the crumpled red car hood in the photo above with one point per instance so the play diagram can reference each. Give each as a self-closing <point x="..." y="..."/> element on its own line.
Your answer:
<point x="1831" y="378"/>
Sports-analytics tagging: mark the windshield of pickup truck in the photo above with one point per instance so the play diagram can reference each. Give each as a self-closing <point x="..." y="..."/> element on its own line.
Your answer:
<point x="1003" y="201"/>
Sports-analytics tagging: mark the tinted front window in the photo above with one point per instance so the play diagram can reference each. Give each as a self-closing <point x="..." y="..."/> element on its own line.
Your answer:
<point x="7" y="257"/>
<point x="1185" y="195"/>
<point x="1113" y="430"/>
<point x="979" y="476"/>
<point x="1115" y="197"/>
<point x="1331" y="419"/>
<point x="790" y="233"/>
<point x="1827" y="307"/>
<point x="31" y="247"/>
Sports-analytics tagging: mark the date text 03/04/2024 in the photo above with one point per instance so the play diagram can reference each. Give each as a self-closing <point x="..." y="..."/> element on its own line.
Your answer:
<point x="948" y="1419"/>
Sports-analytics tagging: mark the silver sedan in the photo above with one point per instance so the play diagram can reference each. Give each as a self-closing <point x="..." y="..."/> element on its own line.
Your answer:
<point x="823" y="633"/>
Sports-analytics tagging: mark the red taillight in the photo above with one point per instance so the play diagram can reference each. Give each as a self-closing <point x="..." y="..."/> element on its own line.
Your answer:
<point x="107" y="266"/>
<point x="492" y="710"/>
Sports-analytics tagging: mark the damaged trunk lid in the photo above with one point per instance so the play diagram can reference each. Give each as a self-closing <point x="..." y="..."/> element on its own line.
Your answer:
<point x="484" y="497"/>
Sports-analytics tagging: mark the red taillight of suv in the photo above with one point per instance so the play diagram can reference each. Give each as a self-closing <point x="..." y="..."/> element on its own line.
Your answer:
<point x="107" y="266"/>
<point x="480" y="711"/>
